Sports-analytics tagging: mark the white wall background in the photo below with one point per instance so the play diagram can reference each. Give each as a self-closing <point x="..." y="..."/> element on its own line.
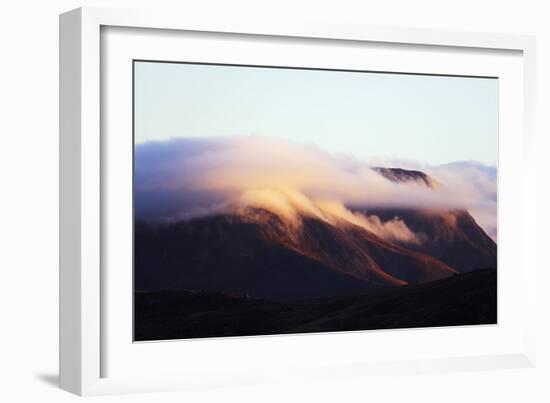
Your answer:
<point x="29" y="201"/>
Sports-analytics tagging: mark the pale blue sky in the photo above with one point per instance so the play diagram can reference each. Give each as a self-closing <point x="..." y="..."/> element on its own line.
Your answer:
<point x="430" y="119"/>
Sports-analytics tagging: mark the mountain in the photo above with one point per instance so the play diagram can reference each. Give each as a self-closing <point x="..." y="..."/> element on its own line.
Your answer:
<point x="450" y="235"/>
<point x="256" y="252"/>
<point x="231" y="253"/>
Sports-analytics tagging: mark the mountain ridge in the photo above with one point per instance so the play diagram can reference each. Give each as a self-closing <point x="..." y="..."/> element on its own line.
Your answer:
<point x="400" y="175"/>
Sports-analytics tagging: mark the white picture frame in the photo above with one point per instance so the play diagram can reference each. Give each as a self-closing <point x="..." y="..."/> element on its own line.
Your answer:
<point x="83" y="310"/>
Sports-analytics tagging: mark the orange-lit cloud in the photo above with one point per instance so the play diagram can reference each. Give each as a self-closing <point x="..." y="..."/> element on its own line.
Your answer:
<point x="186" y="177"/>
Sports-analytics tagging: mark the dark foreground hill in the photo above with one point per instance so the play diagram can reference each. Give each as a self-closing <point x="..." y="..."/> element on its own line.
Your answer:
<point x="462" y="299"/>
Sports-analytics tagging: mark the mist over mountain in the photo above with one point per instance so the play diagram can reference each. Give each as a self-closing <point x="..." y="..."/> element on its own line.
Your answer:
<point x="190" y="177"/>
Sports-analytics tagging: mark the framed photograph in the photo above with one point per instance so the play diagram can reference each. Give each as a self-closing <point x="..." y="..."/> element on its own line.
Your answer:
<point x="253" y="202"/>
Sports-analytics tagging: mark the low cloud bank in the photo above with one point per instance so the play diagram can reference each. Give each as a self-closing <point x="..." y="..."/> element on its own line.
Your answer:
<point x="188" y="177"/>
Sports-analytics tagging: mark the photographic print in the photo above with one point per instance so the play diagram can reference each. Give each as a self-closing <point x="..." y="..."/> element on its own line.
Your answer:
<point x="276" y="200"/>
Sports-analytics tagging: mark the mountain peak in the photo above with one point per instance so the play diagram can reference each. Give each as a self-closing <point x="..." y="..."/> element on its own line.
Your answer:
<point x="400" y="175"/>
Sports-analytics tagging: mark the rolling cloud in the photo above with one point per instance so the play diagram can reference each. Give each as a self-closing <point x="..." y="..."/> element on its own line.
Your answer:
<point x="187" y="177"/>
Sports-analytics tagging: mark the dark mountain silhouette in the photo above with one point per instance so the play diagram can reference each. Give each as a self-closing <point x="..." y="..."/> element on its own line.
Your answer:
<point x="465" y="299"/>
